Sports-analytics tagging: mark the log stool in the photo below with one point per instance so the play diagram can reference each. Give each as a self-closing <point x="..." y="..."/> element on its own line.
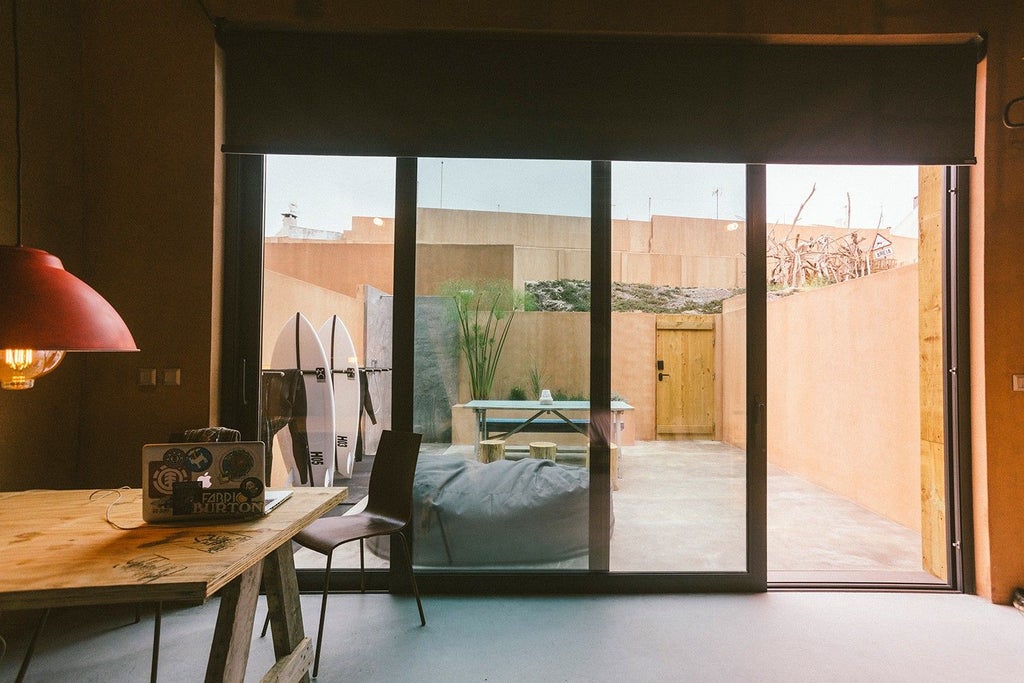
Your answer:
<point x="613" y="456"/>
<point x="543" y="449"/>
<point x="491" y="450"/>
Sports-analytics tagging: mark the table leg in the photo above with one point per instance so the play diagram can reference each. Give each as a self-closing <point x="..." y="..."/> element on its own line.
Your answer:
<point x="32" y="645"/>
<point x="481" y="430"/>
<point x="617" y="437"/>
<point x="293" y="650"/>
<point x="229" y="652"/>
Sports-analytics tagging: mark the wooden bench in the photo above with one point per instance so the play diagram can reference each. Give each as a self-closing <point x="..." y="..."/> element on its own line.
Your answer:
<point x="501" y="426"/>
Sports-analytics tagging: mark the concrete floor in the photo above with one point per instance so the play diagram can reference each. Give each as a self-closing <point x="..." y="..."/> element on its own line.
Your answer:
<point x="789" y="637"/>
<point x="691" y="495"/>
<point x="680" y="506"/>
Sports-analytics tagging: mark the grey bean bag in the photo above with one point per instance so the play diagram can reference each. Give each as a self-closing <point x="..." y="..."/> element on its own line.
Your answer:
<point x="467" y="513"/>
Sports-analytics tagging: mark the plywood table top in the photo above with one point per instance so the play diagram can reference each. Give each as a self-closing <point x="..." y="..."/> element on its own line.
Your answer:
<point x="57" y="548"/>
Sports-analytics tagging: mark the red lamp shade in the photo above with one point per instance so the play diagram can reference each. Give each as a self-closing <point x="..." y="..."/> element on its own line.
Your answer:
<point x="44" y="308"/>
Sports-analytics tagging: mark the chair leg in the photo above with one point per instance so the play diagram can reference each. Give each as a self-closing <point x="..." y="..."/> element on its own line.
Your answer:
<point x="412" y="577"/>
<point x="156" y="643"/>
<point x="32" y="646"/>
<point x="362" y="569"/>
<point x="323" y="612"/>
<point x="266" y="623"/>
<point x="444" y="536"/>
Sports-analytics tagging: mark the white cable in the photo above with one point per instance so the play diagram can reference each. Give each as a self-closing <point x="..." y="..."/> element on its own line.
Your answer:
<point x="117" y="492"/>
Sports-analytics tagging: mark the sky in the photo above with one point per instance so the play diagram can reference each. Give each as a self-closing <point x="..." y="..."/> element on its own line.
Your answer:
<point x="328" y="191"/>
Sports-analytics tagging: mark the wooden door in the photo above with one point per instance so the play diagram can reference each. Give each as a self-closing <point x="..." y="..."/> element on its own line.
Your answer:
<point x="685" y="370"/>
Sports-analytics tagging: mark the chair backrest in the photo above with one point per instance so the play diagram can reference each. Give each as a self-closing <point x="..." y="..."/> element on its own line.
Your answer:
<point x="394" y="467"/>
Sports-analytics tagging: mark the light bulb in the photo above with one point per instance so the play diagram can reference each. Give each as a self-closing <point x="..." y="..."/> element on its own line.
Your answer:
<point x="20" y="367"/>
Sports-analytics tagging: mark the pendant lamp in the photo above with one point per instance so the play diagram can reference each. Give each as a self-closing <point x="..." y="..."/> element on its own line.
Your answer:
<point x="46" y="311"/>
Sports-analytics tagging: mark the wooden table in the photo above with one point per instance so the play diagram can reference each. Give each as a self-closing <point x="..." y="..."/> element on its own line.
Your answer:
<point x="57" y="549"/>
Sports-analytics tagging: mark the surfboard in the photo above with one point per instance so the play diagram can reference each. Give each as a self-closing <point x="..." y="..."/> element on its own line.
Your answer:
<point x="298" y="346"/>
<point x="341" y="358"/>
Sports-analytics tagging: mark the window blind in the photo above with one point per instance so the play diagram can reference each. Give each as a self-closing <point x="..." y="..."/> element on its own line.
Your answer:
<point x="606" y="97"/>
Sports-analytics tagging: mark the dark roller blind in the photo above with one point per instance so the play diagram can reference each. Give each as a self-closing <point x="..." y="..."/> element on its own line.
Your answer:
<point x="546" y="96"/>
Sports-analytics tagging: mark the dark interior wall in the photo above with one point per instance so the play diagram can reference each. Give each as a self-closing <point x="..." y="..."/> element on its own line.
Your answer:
<point x="148" y="117"/>
<point x="118" y="172"/>
<point x="122" y="182"/>
<point x="38" y="428"/>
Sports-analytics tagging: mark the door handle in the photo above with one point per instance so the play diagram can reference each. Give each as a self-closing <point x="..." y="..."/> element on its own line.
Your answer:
<point x="662" y="375"/>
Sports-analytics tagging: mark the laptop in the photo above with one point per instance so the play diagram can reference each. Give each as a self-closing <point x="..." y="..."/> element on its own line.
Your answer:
<point x="185" y="482"/>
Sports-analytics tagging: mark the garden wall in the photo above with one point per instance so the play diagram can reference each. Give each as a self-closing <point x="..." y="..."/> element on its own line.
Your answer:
<point x="843" y="389"/>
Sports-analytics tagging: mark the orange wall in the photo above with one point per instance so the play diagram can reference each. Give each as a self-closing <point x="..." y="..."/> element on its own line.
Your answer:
<point x="283" y="296"/>
<point x="843" y="391"/>
<point x="843" y="397"/>
<point x="339" y="266"/>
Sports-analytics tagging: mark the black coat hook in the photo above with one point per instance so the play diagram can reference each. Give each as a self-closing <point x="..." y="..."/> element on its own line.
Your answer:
<point x="1006" y="114"/>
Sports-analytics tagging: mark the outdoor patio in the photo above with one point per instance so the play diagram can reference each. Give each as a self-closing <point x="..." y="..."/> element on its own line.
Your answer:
<point x="680" y="507"/>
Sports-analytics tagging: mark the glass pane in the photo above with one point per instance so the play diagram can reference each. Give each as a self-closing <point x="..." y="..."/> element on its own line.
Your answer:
<point x="328" y="254"/>
<point x="855" y="375"/>
<point x="502" y="315"/>
<point x="678" y="361"/>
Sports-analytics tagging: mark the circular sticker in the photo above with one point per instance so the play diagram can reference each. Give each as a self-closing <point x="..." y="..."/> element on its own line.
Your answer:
<point x="251" y="487"/>
<point x="236" y="464"/>
<point x="198" y="459"/>
<point x="174" y="457"/>
<point x="165" y="477"/>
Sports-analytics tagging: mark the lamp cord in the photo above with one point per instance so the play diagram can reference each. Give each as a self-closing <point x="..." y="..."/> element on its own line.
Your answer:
<point x="17" y="122"/>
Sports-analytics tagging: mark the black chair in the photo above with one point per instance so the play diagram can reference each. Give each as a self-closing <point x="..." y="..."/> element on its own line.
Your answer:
<point x="388" y="511"/>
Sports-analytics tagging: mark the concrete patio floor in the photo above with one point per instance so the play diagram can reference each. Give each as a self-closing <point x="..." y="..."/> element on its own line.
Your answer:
<point x="680" y="507"/>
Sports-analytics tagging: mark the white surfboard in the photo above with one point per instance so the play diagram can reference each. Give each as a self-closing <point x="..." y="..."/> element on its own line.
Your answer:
<point x="298" y="346"/>
<point x="341" y="358"/>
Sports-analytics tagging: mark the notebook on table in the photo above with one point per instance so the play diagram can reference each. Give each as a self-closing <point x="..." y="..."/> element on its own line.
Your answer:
<point x="183" y="482"/>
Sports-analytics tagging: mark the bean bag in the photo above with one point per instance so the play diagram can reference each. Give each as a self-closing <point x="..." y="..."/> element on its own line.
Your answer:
<point x="467" y="513"/>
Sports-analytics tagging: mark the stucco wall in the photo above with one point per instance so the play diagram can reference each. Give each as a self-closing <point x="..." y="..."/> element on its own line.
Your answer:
<point x="284" y="296"/>
<point x="843" y="389"/>
<point x="339" y="266"/>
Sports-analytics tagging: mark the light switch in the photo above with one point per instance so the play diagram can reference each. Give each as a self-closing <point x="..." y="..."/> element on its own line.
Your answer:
<point x="147" y="377"/>
<point x="1018" y="382"/>
<point x="172" y="377"/>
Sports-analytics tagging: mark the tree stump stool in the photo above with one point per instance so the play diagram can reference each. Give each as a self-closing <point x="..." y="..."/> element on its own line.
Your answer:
<point x="491" y="450"/>
<point x="543" y="449"/>
<point x="613" y="456"/>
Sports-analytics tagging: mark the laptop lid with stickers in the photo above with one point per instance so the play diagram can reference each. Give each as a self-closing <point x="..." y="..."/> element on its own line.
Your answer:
<point x="196" y="481"/>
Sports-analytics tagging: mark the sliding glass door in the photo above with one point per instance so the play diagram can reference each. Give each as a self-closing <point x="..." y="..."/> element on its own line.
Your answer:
<point x="679" y="344"/>
<point x="502" y="364"/>
<point x="857" y="375"/>
<point x="619" y="368"/>
<point x="327" y="291"/>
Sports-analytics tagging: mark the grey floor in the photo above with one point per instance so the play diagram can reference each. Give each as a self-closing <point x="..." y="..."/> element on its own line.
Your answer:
<point x="780" y="636"/>
<point x="690" y="492"/>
